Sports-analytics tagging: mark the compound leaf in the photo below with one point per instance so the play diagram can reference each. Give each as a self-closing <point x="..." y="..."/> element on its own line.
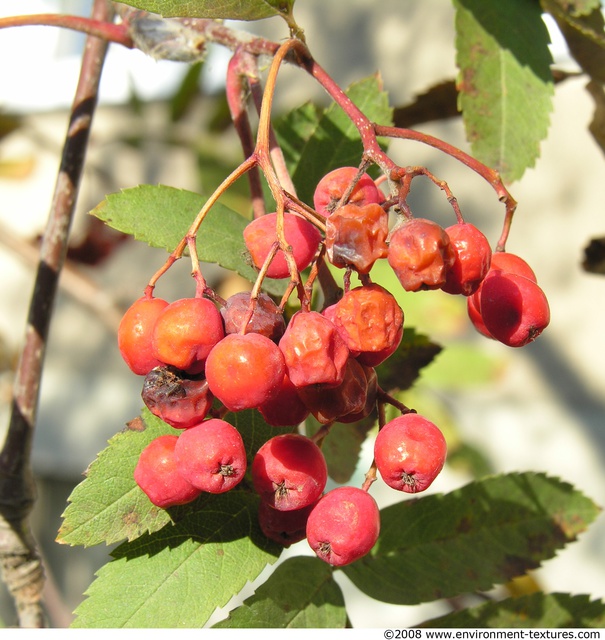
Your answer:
<point x="227" y="9"/>
<point x="505" y="83"/>
<point x="160" y="216"/>
<point x="178" y="576"/>
<point x="300" y="593"/>
<point x="317" y="142"/>
<point x="535" y="611"/>
<point x="483" y="534"/>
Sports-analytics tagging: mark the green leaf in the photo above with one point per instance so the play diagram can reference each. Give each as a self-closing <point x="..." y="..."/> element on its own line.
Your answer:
<point x="108" y="506"/>
<point x="535" y="611"/>
<point x="161" y="216"/>
<point x="483" y="534"/>
<point x="301" y="593"/>
<point x="400" y="370"/>
<point x="178" y="576"/>
<point x="342" y="446"/>
<point x="505" y="83"/>
<point x="317" y="142"/>
<point x="226" y="9"/>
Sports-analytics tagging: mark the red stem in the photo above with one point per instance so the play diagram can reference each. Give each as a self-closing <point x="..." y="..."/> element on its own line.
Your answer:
<point x="109" y="31"/>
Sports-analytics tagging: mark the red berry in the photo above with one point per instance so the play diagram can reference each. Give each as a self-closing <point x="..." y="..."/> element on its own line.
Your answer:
<point x="284" y="527"/>
<point x="420" y="254"/>
<point x="511" y="263"/>
<point x="178" y="399"/>
<point x="343" y="526"/>
<point x="409" y="453"/>
<point x="185" y="332"/>
<point x="501" y="261"/>
<point x="333" y="186"/>
<point x="314" y="351"/>
<point x="289" y="472"/>
<point x="157" y="474"/>
<point x="135" y="331"/>
<point x="243" y="371"/>
<point x="513" y="308"/>
<point x="471" y="262"/>
<point x="211" y="456"/>
<point x="356" y="236"/>
<point x="302" y="236"/>
<point x="266" y="318"/>
<point x="284" y="408"/>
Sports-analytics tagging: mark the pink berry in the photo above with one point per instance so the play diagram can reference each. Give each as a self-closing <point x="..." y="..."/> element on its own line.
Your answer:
<point x="333" y="185"/>
<point x="211" y="456"/>
<point x="343" y="526"/>
<point x="301" y="235"/>
<point x="289" y="472"/>
<point x="409" y="453"/>
<point x="158" y="476"/>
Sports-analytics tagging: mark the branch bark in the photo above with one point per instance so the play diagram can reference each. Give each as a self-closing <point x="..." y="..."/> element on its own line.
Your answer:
<point x="19" y="560"/>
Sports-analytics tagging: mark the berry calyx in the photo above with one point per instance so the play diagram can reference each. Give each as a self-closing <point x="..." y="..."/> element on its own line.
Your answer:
<point x="343" y="526"/>
<point x="332" y="187"/>
<point x="211" y="456"/>
<point x="176" y="398"/>
<point x="135" y="334"/>
<point x="185" y="332"/>
<point x="356" y="236"/>
<point x="244" y="370"/>
<point x="420" y="254"/>
<point x="157" y="474"/>
<point x="472" y="259"/>
<point x="409" y="453"/>
<point x="303" y="237"/>
<point x="289" y="472"/>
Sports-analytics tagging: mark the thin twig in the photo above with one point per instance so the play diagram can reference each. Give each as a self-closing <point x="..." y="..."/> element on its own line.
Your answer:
<point x="20" y="562"/>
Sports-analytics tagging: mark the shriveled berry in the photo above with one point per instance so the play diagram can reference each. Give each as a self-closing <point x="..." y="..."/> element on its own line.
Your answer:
<point x="420" y="254"/>
<point x="328" y="402"/>
<point x="472" y="260"/>
<point x="266" y="318"/>
<point x="244" y="370"/>
<point x="284" y="527"/>
<point x="314" y="351"/>
<point x="409" y="452"/>
<point x="135" y="332"/>
<point x="371" y="392"/>
<point x="289" y="472"/>
<point x="514" y="309"/>
<point x="157" y="474"/>
<point x="211" y="456"/>
<point x="356" y="236"/>
<point x="303" y="237"/>
<point x="331" y="188"/>
<point x="285" y="407"/>
<point x="343" y="526"/>
<point x="178" y="399"/>
<point x="185" y="332"/>
<point x="370" y="320"/>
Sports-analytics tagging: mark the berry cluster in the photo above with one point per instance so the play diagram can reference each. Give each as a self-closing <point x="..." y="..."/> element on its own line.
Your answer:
<point x="202" y="357"/>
